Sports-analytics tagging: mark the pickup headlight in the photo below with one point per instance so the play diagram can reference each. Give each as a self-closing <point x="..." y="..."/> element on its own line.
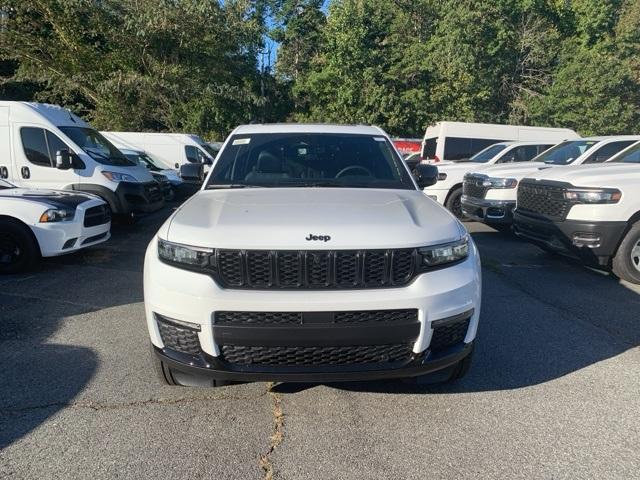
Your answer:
<point x="119" y="177"/>
<point x="495" y="182"/>
<point x="184" y="256"/>
<point x="445" y="253"/>
<point x="593" y="195"/>
<point x="57" y="215"/>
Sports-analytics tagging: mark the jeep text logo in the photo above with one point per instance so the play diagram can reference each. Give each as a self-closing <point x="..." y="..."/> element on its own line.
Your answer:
<point x="322" y="238"/>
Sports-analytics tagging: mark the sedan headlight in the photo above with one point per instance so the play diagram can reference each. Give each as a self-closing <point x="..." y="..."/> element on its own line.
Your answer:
<point x="593" y="195"/>
<point x="57" y="215"/>
<point x="183" y="255"/>
<point x="445" y="253"/>
<point x="495" y="182"/>
<point x="119" y="177"/>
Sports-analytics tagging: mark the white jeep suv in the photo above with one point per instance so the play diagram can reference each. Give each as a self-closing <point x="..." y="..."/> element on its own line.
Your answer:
<point x="311" y="254"/>
<point x="592" y="212"/>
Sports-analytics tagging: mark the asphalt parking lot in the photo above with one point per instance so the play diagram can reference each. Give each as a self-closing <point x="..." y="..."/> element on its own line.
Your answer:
<point x="554" y="391"/>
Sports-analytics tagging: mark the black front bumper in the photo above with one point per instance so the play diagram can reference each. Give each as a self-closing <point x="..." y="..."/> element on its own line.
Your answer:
<point x="498" y="212"/>
<point x="568" y="236"/>
<point x="137" y="198"/>
<point x="422" y="364"/>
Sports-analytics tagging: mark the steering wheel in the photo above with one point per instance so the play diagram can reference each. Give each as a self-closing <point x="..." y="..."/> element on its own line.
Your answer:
<point x="360" y="168"/>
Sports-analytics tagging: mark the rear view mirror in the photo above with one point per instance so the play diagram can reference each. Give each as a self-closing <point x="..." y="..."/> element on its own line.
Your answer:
<point x="425" y="175"/>
<point x="192" y="172"/>
<point x="63" y="160"/>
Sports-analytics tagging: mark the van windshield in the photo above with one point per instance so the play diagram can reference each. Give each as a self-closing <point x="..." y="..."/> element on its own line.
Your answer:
<point x="309" y="160"/>
<point x="487" y="154"/>
<point x="630" y="155"/>
<point x="98" y="147"/>
<point x="143" y="160"/>
<point x="565" y="152"/>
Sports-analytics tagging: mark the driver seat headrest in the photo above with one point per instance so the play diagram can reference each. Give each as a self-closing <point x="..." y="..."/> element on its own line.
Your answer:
<point x="268" y="163"/>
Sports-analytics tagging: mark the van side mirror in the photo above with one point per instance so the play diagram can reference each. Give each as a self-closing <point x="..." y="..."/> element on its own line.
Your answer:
<point x="63" y="160"/>
<point x="192" y="172"/>
<point x="425" y="175"/>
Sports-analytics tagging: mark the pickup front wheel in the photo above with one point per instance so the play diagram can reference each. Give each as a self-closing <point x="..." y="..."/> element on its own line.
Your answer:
<point x="454" y="204"/>
<point x="626" y="263"/>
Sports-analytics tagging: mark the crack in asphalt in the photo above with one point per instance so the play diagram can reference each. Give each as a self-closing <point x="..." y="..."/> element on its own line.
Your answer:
<point x="97" y="406"/>
<point x="278" y="433"/>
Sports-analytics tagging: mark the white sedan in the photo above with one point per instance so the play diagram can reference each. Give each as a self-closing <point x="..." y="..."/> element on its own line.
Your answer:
<point x="35" y="223"/>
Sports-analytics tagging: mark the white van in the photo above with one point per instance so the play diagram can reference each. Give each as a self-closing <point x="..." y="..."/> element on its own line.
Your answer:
<point x="47" y="146"/>
<point x="172" y="149"/>
<point x="451" y="141"/>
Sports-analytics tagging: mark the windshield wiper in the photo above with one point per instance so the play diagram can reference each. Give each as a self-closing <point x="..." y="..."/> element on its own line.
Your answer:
<point x="233" y="185"/>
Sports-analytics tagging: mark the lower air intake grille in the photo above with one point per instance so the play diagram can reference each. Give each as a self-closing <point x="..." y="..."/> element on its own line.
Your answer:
<point x="449" y="334"/>
<point x="177" y="337"/>
<point x="298" y="318"/>
<point x="316" y="356"/>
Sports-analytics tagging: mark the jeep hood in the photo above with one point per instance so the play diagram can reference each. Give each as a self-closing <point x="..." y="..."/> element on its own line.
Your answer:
<point x="283" y="218"/>
<point x="594" y="175"/>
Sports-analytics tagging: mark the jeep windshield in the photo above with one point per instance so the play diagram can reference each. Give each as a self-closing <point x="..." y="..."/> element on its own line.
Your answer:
<point x="309" y="160"/>
<point x="566" y="152"/>
<point x="96" y="146"/>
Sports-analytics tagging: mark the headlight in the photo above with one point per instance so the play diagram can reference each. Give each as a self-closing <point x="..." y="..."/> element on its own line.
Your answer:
<point x="445" y="253"/>
<point x="184" y="255"/>
<point x="57" y="215"/>
<point x="595" y="195"/>
<point x="494" y="182"/>
<point x="119" y="177"/>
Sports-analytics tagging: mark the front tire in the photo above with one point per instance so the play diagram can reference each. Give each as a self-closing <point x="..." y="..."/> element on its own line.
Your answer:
<point x="454" y="204"/>
<point x="626" y="262"/>
<point x="19" y="251"/>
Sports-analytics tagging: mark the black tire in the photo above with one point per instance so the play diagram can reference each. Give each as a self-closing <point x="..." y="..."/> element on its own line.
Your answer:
<point x="19" y="250"/>
<point x="626" y="262"/>
<point x="167" y="376"/>
<point x="454" y="205"/>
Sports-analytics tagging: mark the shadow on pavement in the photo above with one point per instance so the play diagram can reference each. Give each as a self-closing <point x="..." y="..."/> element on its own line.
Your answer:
<point x="543" y="317"/>
<point x="38" y="376"/>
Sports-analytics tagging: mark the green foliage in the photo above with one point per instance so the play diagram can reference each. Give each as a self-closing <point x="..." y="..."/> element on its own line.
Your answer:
<point x="191" y="65"/>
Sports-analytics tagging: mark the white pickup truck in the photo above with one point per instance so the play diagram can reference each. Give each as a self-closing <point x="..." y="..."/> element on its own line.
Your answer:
<point x="592" y="212"/>
<point x="35" y="223"/>
<point x="489" y="193"/>
<point x="448" y="190"/>
<point x="311" y="254"/>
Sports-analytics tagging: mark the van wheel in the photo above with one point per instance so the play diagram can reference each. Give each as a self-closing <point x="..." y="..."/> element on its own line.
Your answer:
<point x="454" y="204"/>
<point x="18" y="249"/>
<point x="167" y="376"/>
<point x="626" y="263"/>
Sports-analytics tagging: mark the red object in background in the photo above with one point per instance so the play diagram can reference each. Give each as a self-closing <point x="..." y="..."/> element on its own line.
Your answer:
<point x="408" y="145"/>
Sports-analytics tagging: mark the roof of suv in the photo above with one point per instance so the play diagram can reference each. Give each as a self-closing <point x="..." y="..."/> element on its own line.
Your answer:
<point x="307" y="128"/>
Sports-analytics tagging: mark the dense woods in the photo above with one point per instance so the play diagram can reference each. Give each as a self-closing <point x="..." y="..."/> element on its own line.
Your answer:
<point x="198" y="65"/>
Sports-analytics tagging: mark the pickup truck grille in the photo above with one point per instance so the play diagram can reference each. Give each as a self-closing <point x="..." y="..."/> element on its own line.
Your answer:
<point x="316" y="356"/>
<point x="338" y="269"/>
<point x="543" y="199"/>
<point x="96" y="216"/>
<point x="472" y="186"/>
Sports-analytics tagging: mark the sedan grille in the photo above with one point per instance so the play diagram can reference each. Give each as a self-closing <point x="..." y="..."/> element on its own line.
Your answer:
<point x="543" y="199"/>
<point x="95" y="216"/>
<point x="256" y="269"/>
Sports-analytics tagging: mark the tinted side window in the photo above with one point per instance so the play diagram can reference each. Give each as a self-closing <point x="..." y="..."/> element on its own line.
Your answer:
<point x="193" y="154"/>
<point x="55" y="144"/>
<point x="456" y="148"/>
<point x="35" y="146"/>
<point x="429" y="148"/>
<point x="523" y="154"/>
<point x="542" y="148"/>
<point x="606" y="152"/>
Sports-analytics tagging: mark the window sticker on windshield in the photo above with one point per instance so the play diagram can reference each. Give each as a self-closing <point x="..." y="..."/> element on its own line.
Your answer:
<point x="241" y="141"/>
<point x="379" y="139"/>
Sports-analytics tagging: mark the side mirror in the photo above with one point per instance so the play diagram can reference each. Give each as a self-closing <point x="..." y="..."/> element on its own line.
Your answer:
<point x="425" y="174"/>
<point x="192" y="172"/>
<point x="63" y="160"/>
